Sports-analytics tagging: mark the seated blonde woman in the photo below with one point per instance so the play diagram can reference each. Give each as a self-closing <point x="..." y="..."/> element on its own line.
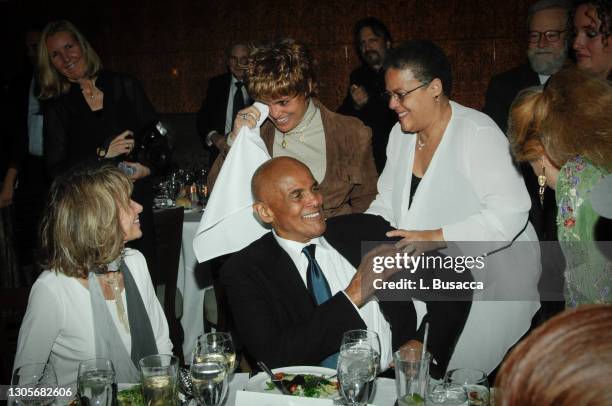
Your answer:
<point x="564" y="130"/>
<point x="96" y="299"/>
<point x="567" y="361"/>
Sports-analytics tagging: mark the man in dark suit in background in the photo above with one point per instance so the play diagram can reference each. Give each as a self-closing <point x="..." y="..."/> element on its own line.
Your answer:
<point x="364" y="98"/>
<point x="225" y="95"/>
<point x="547" y="47"/>
<point x="295" y="291"/>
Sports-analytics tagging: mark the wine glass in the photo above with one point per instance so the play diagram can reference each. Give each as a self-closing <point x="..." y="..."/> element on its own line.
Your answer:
<point x="356" y="373"/>
<point x="213" y="360"/>
<point x="365" y="336"/>
<point x="96" y="382"/>
<point x="218" y="343"/>
<point x="35" y="376"/>
<point x="474" y="382"/>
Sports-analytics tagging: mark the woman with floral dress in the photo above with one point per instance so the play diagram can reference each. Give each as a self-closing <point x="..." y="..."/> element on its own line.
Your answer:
<point x="564" y="130"/>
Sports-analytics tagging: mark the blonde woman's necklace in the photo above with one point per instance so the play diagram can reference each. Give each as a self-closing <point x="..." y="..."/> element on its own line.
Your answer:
<point x="89" y="90"/>
<point x="112" y="281"/>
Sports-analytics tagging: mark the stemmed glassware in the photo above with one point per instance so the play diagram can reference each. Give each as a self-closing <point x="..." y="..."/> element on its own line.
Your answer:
<point x="96" y="382"/>
<point x="365" y="336"/>
<point x="39" y="375"/>
<point x="474" y="383"/>
<point x="213" y="361"/>
<point x="356" y="372"/>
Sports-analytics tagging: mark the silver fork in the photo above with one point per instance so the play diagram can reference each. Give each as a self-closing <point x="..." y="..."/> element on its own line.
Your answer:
<point x="278" y="383"/>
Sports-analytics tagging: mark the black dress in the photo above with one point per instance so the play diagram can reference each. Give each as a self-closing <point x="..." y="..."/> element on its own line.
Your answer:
<point x="73" y="133"/>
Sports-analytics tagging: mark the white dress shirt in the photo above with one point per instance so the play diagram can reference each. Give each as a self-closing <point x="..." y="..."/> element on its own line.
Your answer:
<point x="339" y="272"/>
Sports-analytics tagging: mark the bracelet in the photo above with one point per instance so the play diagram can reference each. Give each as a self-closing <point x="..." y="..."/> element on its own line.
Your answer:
<point x="101" y="152"/>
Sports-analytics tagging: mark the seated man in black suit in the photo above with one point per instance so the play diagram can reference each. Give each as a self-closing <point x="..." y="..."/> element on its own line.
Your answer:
<point x="287" y="313"/>
<point x="225" y="95"/>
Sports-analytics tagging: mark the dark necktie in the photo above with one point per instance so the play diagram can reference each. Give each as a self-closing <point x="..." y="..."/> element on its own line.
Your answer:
<point x="319" y="289"/>
<point x="315" y="280"/>
<point x="238" y="103"/>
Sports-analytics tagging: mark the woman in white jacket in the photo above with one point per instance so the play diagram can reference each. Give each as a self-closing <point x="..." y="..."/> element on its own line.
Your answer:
<point x="449" y="177"/>
<point x="96" y="299"/>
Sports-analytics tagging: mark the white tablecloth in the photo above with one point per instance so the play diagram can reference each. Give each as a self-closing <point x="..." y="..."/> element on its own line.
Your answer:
<point x="192" y="319"/>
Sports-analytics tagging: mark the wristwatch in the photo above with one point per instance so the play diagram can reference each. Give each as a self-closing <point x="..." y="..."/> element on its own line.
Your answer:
<point x="101" y="153"/>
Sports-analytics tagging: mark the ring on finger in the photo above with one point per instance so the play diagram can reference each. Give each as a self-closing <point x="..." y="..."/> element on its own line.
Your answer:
<point x="245" y="115"/>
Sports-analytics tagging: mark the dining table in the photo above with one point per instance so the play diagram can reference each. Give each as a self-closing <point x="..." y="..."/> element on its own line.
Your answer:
<point x="190" y="285"/>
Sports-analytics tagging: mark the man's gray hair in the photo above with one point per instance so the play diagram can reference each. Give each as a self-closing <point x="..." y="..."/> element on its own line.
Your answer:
<point x="547" y="4"/>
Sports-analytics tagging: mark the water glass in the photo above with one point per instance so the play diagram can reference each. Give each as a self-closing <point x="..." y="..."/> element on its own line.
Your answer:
<point x="159" y="379"/>
<point x="96" y="383"/>
<point x="447" y="394"/>
<point x="39" y="375"/>
<point x="365" y="336"/>
<point x="474" y="383"/>
<point x="218" y="345"/>
<point x="411" y="376"/>
<point x="356" y="373"/>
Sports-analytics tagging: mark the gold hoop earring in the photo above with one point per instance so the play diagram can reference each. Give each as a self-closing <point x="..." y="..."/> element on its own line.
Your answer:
<point x="542" y="184"/>
<point x="436" y="98"/>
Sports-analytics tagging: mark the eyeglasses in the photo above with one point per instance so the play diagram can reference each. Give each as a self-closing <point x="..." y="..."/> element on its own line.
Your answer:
<point x="399" y="96"/>
<point x="551" y="36"/>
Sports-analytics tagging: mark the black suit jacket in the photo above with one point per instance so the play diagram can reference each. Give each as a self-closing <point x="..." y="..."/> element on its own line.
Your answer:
<point x="502" y="90"/>
<point x="213" y="111"/>
<point x="278" y="323"/>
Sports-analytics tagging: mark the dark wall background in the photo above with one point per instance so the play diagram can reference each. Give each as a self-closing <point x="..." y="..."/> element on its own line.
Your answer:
<point x="173" y="47"/>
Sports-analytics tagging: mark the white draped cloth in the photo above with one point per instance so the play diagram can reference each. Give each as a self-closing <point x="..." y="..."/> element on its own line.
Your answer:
<point x="228" y="223"/>
<point x="473" y="192"/>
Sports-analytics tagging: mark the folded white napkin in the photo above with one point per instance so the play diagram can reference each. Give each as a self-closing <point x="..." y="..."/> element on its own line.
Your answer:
<point x="228" y="223"/>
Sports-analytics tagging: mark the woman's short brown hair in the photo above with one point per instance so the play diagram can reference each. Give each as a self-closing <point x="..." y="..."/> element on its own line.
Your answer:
<point x="569" y="116"/>
<point x="565" y="361"/>
<point x="281" y="68"/>
<point x="53" y="83"/>
<point x="81" y="229"/>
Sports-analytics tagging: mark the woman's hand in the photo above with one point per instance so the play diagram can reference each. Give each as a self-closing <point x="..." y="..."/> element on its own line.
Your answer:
<point x="418" y="242"/>
<point x="247" y="116"/>
<point x="141" y="170"/>
<point x="121" y="144"/>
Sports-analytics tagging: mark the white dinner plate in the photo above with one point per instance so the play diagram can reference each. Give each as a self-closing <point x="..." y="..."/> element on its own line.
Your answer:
<point x="258" y="383"/>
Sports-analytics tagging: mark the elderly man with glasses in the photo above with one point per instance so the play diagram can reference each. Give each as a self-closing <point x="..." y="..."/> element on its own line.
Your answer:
<point x="547" y="47"/>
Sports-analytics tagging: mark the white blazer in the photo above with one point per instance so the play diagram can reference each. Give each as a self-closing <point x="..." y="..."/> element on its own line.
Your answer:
<point x="473" y="192"/>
